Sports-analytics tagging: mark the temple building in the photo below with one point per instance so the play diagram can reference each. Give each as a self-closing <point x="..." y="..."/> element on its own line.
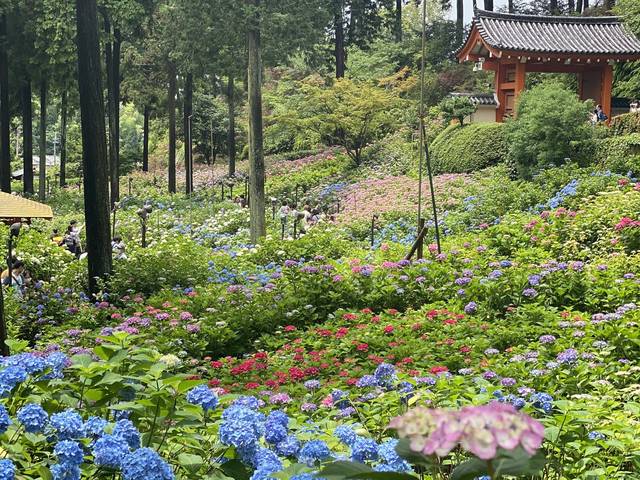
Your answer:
<point x="513" y="45"/>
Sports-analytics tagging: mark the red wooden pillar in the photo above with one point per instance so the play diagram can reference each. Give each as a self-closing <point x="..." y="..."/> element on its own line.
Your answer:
<point x="521" y="74"/>
<point x="500" y="93"/>
<point x="607" y="83"/>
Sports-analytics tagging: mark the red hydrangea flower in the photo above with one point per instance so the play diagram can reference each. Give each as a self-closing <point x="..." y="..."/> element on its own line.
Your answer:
<point x="349" y="316"/>
<point x="290" y="328"/>
<point x="389" y="329"/>
<point x="438" y="369"/>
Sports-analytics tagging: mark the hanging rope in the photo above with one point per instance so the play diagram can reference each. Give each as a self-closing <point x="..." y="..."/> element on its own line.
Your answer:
<point x="424" y="147"/>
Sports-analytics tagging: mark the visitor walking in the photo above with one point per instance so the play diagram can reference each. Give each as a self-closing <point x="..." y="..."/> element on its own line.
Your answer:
<point x="599" y="114"/>
<point x="71" y="242"/>
<point x="17" y="280"/>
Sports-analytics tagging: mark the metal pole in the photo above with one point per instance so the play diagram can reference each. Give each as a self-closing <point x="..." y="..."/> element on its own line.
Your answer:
<point x="144" y="234"/>
<point x="4" y="349"/>
<point x="295" y="227"/>
<point x="222" y="193"/>
<point x="190" y="156"/>
<point x="211" y="141"/>
<point x="10" y="258"/>
<point x="130" y="181"/>
<point x="420" y="251"/>
<point x="424" y="149"/>
<point x="282" y="235"/>
<point x="113" y="233"/>
<point x="373" y="228"/>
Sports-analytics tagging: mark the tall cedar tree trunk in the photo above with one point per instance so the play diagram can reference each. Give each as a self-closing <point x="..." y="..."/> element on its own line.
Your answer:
<point x="585" y="5"/>
<point x="571" y="4"/>
<point x="63" y="137"/>
<point x="145" y="139"/>
<point x="553" y="7"/>
<point x="609" y="4"/>
<point x="579" y="6"/>
<point x="488" y="5"/>
<point x="187" y="111"/>
<point x="5" y="154"/>
<point x="171" y="106"/>
<point x="94" y="148"/>
<point x="511" y="7"/>
<point x="459" y="21"/>
<point x="115" y="177"/>
<point x="42" y="149"/>
<point x="339" y="46"/>
<point x="232" y="127"/>
<point x="257" y="227"/>
<point x="27" y="135"/>
<point x="398" y="20"/>
<point x="112" y="111"/>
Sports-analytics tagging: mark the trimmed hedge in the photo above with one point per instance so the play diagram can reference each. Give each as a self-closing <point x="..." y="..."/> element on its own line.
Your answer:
<point x="461" y="149"/>
<point x="625" y="124"/>
<point x="620" y="154"/>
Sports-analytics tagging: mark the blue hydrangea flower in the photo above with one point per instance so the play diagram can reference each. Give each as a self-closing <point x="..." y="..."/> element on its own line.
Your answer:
<point x="278" y="416"/>
<point x="94" y="427"/>
<point x="145" y="464"/>
<point x="68" y="424"/>
<point x="387" y="453"/>
<point x="28" y="361"/>
<point x="57" y="362"/>
<point x="367" y="381"/>
<point x="68" y="452"/>
<point x="64" y="471"/>
<point x="274" y="432"/>
<point x="345" y="434"/>
<point x="7" y="470"/>
<point x="312" y="384"/>
<point x="33" y="418"/>
<point x="109" y="451"/>
<point x="10" y="377"/>
<point x="202" y="395"/>
<point x="5" y="421"/>
<point x="313" y="451"/>
<point x="543" y="401"/>
<point x="594" y="435"/>
<point x="126" y="430"/>
<point x="289" y="447"/>
<point x="247" y="401"/>
<point x="364" y="449"/>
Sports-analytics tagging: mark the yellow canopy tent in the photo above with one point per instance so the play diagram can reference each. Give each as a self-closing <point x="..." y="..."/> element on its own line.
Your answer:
<point x="15" y="209"/>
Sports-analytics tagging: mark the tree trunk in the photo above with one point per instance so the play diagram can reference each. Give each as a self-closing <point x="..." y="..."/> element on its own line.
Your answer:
<point x="42" y="150"/>
<point x="609" y="4"/>
<point x="511" y="7"/>
<point x="553" y="7"/>
<point x="257" y="227"/>
<point x="94" y="148"/>
<point x="63" y="137"/>
<point x="579" y="5"/>
<point x="585" y="5"/>
<point x="488" y="5"/>
<point x="145" y="139"/>
<point x="171" y="106"/>
<point x="111" y="111"/>
<point x="187" y="111"/>
<point x="232" y="127"/>
<point x="459" y="21"/>
<point x="339" y="46"/>
<point x="115" y="181"/>
<point x="571" y="5"/>
<point x="398" y="21"/>
<point x="5" y="153"/>
<point x="27" y="135"/>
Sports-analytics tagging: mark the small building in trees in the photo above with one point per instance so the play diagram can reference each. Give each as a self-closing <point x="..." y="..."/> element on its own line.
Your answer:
<point x="18" y="209"/>
<point x="513" y="45"/>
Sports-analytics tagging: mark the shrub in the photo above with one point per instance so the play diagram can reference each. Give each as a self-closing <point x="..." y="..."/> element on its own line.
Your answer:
<point x="457" y="108"/>
<point x="625" y="124"/>
<point x="620" y="154"/>
<point x="549" y="118"/>
<point x="468" y="148"/>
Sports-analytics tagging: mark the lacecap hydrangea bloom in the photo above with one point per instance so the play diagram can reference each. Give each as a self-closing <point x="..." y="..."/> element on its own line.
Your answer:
<point x="480" y="430"/>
